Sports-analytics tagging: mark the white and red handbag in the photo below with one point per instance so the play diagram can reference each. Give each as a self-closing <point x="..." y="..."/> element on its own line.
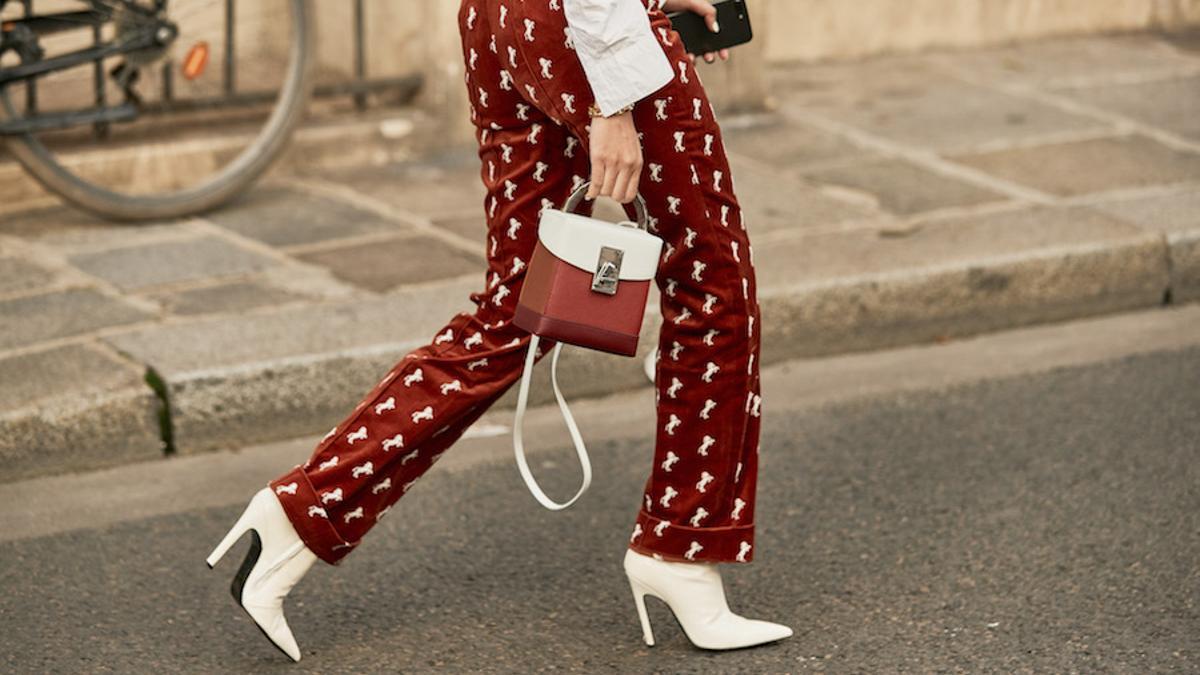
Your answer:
<point x="586" y="285"/>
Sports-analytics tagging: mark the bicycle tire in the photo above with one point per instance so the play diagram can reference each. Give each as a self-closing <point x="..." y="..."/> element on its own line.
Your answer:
<point x="231" y="181"/>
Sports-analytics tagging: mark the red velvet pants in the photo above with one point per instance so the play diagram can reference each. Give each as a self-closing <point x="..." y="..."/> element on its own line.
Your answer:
<point x="529" y="99"/>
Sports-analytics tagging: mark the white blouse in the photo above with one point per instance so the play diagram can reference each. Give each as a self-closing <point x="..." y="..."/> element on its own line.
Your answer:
<point x="619" y="52"/>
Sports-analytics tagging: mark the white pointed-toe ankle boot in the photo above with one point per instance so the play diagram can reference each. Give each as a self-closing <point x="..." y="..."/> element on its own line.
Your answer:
<point x="696" y="596"/>
<point x="276" y="561"/>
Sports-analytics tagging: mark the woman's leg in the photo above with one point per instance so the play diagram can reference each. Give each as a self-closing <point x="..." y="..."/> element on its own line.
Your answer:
<point x="425" y="403"/>
<point x="699" y="500"/>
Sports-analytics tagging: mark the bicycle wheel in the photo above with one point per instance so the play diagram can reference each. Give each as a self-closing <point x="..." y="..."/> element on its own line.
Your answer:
<point x="199" y="136"/>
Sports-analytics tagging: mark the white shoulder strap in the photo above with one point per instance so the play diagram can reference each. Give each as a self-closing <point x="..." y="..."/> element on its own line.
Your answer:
<point x="518" y="427"/>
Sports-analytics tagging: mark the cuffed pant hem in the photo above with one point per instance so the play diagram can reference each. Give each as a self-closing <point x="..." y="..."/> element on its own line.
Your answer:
<point x="309" y="517"/>
<point x="666" y="540"/>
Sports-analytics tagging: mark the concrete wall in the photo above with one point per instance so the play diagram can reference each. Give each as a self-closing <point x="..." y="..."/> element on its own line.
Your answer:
<point x="824" y="29"/>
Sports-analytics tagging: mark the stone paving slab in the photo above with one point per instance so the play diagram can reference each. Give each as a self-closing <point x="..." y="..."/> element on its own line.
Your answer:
<point x="31" y="378"/>
<point x="134" y="268"/>
<point x="904" y="188"/>
<point x="1084" y="167"/>
<point x="15" y="184"/>
<point x="772" y="202"/>
<point x="35" y="318"/>
<point x="282" y="216"/>
<point x="1058" y="62"/>
<point x="859" y="290"/>
<point x="471" y="226"/>
<point x="1009" y="233"/>
<point x="223" y="298"/>
<point x="448" y="185"/>
<point x="385" y="265"/>
<point x="74" y="408"/>
<point x="795" y="148"/>
<point x="18" y="274"/>
<point x="1177" y="217"/>
<point x="1186" y="42"/>
<point x="1171" y="104"/>
<point x="217" y="343"/>
<point x="911" y="101"/>
<point x="69" y="230"/>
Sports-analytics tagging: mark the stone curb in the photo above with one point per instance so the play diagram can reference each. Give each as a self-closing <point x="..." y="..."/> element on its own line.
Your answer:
<point x="954" y="301"/>
<point x="103" y="429"/>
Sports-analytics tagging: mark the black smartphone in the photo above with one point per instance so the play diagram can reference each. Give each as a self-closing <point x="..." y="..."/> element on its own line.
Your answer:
<point x="732" y="17"/>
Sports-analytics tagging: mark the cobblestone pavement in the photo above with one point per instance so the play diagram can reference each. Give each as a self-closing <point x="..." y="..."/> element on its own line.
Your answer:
<point x="891" y="201"/>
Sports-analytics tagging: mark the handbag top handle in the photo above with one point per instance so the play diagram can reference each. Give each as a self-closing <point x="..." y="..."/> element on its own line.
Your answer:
<point x="639" y="205"/>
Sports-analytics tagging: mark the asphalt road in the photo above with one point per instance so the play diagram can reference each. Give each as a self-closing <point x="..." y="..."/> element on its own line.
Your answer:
<point x="1044" y="521"/>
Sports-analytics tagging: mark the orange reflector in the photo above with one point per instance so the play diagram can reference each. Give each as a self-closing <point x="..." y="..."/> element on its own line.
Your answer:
<point x="195" y="61"/>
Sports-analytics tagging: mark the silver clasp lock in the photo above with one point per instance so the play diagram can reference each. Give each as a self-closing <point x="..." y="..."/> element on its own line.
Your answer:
<point x="608" y="270"/>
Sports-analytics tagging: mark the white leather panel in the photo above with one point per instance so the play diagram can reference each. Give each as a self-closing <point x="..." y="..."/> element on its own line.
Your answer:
<point x="578" y="239"/>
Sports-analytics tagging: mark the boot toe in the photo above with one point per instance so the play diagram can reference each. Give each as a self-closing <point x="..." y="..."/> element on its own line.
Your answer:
<point x="769" y="632"/>
<point x="274" y="625"/>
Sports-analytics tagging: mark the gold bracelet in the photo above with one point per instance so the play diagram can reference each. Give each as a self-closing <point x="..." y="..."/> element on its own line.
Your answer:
<point x="594" y="111"/>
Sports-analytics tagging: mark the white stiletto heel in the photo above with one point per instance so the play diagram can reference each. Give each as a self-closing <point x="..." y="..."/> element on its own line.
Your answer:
<point x="239" y="528"/>
<point x="696" y="596"/>
<point x="277" y="560"/>
<point x="639" y="599"/>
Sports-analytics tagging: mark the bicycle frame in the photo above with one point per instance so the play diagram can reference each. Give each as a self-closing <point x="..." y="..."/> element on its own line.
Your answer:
<point x="21" y="35"/>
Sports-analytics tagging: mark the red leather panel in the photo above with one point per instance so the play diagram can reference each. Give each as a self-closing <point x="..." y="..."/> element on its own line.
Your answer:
<point x="575" y="333"/>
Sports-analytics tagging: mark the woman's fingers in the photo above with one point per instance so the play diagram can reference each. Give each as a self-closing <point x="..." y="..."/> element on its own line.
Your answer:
<point x="616" y="181"/>
<point x="631" y="189"/>
<point x="611" y="174"/>
<point x="712" y="56"/>
<point x="620" y="185"/>
<point x="631" y="172"/>
<point x="706" y="9"/>
<point x="597" y="180"/>
<point x="627" y="184"/>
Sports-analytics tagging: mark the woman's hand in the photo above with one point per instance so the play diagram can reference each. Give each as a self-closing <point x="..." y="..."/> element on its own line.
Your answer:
<point x="705" y="9"/>
<point x="616" y="158"/>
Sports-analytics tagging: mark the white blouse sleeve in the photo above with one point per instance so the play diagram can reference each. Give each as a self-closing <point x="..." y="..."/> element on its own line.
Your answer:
<point x="618" y="50"/>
